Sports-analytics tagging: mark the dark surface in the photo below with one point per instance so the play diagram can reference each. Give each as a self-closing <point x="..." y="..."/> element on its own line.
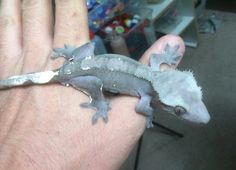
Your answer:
<point x="225" y="5"/>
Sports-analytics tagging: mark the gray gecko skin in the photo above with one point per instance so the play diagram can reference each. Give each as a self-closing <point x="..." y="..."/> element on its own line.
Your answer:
<point x="175" y="91"/>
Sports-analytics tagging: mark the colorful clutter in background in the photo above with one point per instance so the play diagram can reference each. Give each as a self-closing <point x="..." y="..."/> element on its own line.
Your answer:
<point x="121" y="24"/>
<point x="134" y="37"/>
<point x="121" y="30"/>
<point x="91" y="4"/>
<point x="102" y="11"/>
<point x="98" y="42"/>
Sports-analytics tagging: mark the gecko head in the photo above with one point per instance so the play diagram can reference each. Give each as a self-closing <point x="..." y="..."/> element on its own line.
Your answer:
<point x="180" y="95"/>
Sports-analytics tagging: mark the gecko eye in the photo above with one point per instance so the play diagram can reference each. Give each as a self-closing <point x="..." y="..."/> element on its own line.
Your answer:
<point x="179" y="110"/>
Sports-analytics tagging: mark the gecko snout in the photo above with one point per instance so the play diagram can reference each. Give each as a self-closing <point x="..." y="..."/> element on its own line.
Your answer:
<point x="197" y="113"/>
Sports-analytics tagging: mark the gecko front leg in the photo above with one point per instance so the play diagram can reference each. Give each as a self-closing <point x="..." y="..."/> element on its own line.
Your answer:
<point x="144" y="108"/>
<point x="92" y="86"/>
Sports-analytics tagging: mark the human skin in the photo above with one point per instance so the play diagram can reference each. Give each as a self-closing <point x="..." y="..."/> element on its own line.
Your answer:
<point x="43" y="127"/>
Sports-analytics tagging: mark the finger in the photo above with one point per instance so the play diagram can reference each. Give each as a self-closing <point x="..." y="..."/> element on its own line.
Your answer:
<point x="159" y="47"/>
<point x="10" y="35"/>
<point x="37" y="32"/>
<point x="71" y="25"/>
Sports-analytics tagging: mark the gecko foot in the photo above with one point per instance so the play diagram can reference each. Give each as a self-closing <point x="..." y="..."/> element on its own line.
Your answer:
<point x="102" y="108"/>
<point x="171" y="56"/>
<point x="66" y="52"/>
<point x="55" y="55"/>
<point x="149" y="122"/>
<point x="148" y="112"/>
<point x="97" y="115"/>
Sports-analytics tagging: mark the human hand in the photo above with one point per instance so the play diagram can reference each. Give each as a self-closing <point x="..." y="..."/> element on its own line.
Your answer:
<point x="43" y="127"/>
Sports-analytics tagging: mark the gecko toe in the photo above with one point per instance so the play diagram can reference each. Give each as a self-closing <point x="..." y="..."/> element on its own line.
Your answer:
<point x="97" y="115"/>
<point x="105" y="118"/>
<point x="149" y="124"/>
<point x="54" y="55"/>
<point x="95" y="118"/>
<point x="86" y="105"/>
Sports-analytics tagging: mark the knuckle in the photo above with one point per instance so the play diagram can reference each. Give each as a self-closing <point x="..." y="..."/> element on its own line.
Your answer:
<point x="36" y="50"/>
<point x="7" y="21"/>
<point x="31" y="26"/>
<point x="28" y="4"/>
<point x="62" y="1"/>
<point x="67" y="4"/>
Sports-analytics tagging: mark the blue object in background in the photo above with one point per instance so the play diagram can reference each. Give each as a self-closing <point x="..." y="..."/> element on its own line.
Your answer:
<point x="101" y="11"/>
<point x="91" y="4"/>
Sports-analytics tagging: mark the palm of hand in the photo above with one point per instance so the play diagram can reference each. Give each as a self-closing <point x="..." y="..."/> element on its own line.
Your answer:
<point x="47" y="121"/>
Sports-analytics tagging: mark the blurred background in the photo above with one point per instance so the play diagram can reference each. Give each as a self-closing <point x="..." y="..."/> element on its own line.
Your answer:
<point x="208" y="28"/>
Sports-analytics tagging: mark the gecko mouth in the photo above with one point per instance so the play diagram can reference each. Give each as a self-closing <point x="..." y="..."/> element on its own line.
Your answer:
<point x="165" y="107"/>
<point x="197" y="113"/>
<point x="177" y="110"/>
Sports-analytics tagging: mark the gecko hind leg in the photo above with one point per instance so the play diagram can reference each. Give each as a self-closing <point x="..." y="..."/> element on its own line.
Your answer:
<point x="101" y="107"/>
<point x="71" y="53"/>
<point x="93" y="86"/>
<point x="144" y="108"/>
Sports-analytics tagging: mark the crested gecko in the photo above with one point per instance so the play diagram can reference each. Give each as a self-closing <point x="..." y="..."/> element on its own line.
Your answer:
<point x="176" y="91"/>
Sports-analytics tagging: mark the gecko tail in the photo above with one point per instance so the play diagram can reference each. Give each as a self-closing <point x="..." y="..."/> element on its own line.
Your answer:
<point x="29" y="79"/>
